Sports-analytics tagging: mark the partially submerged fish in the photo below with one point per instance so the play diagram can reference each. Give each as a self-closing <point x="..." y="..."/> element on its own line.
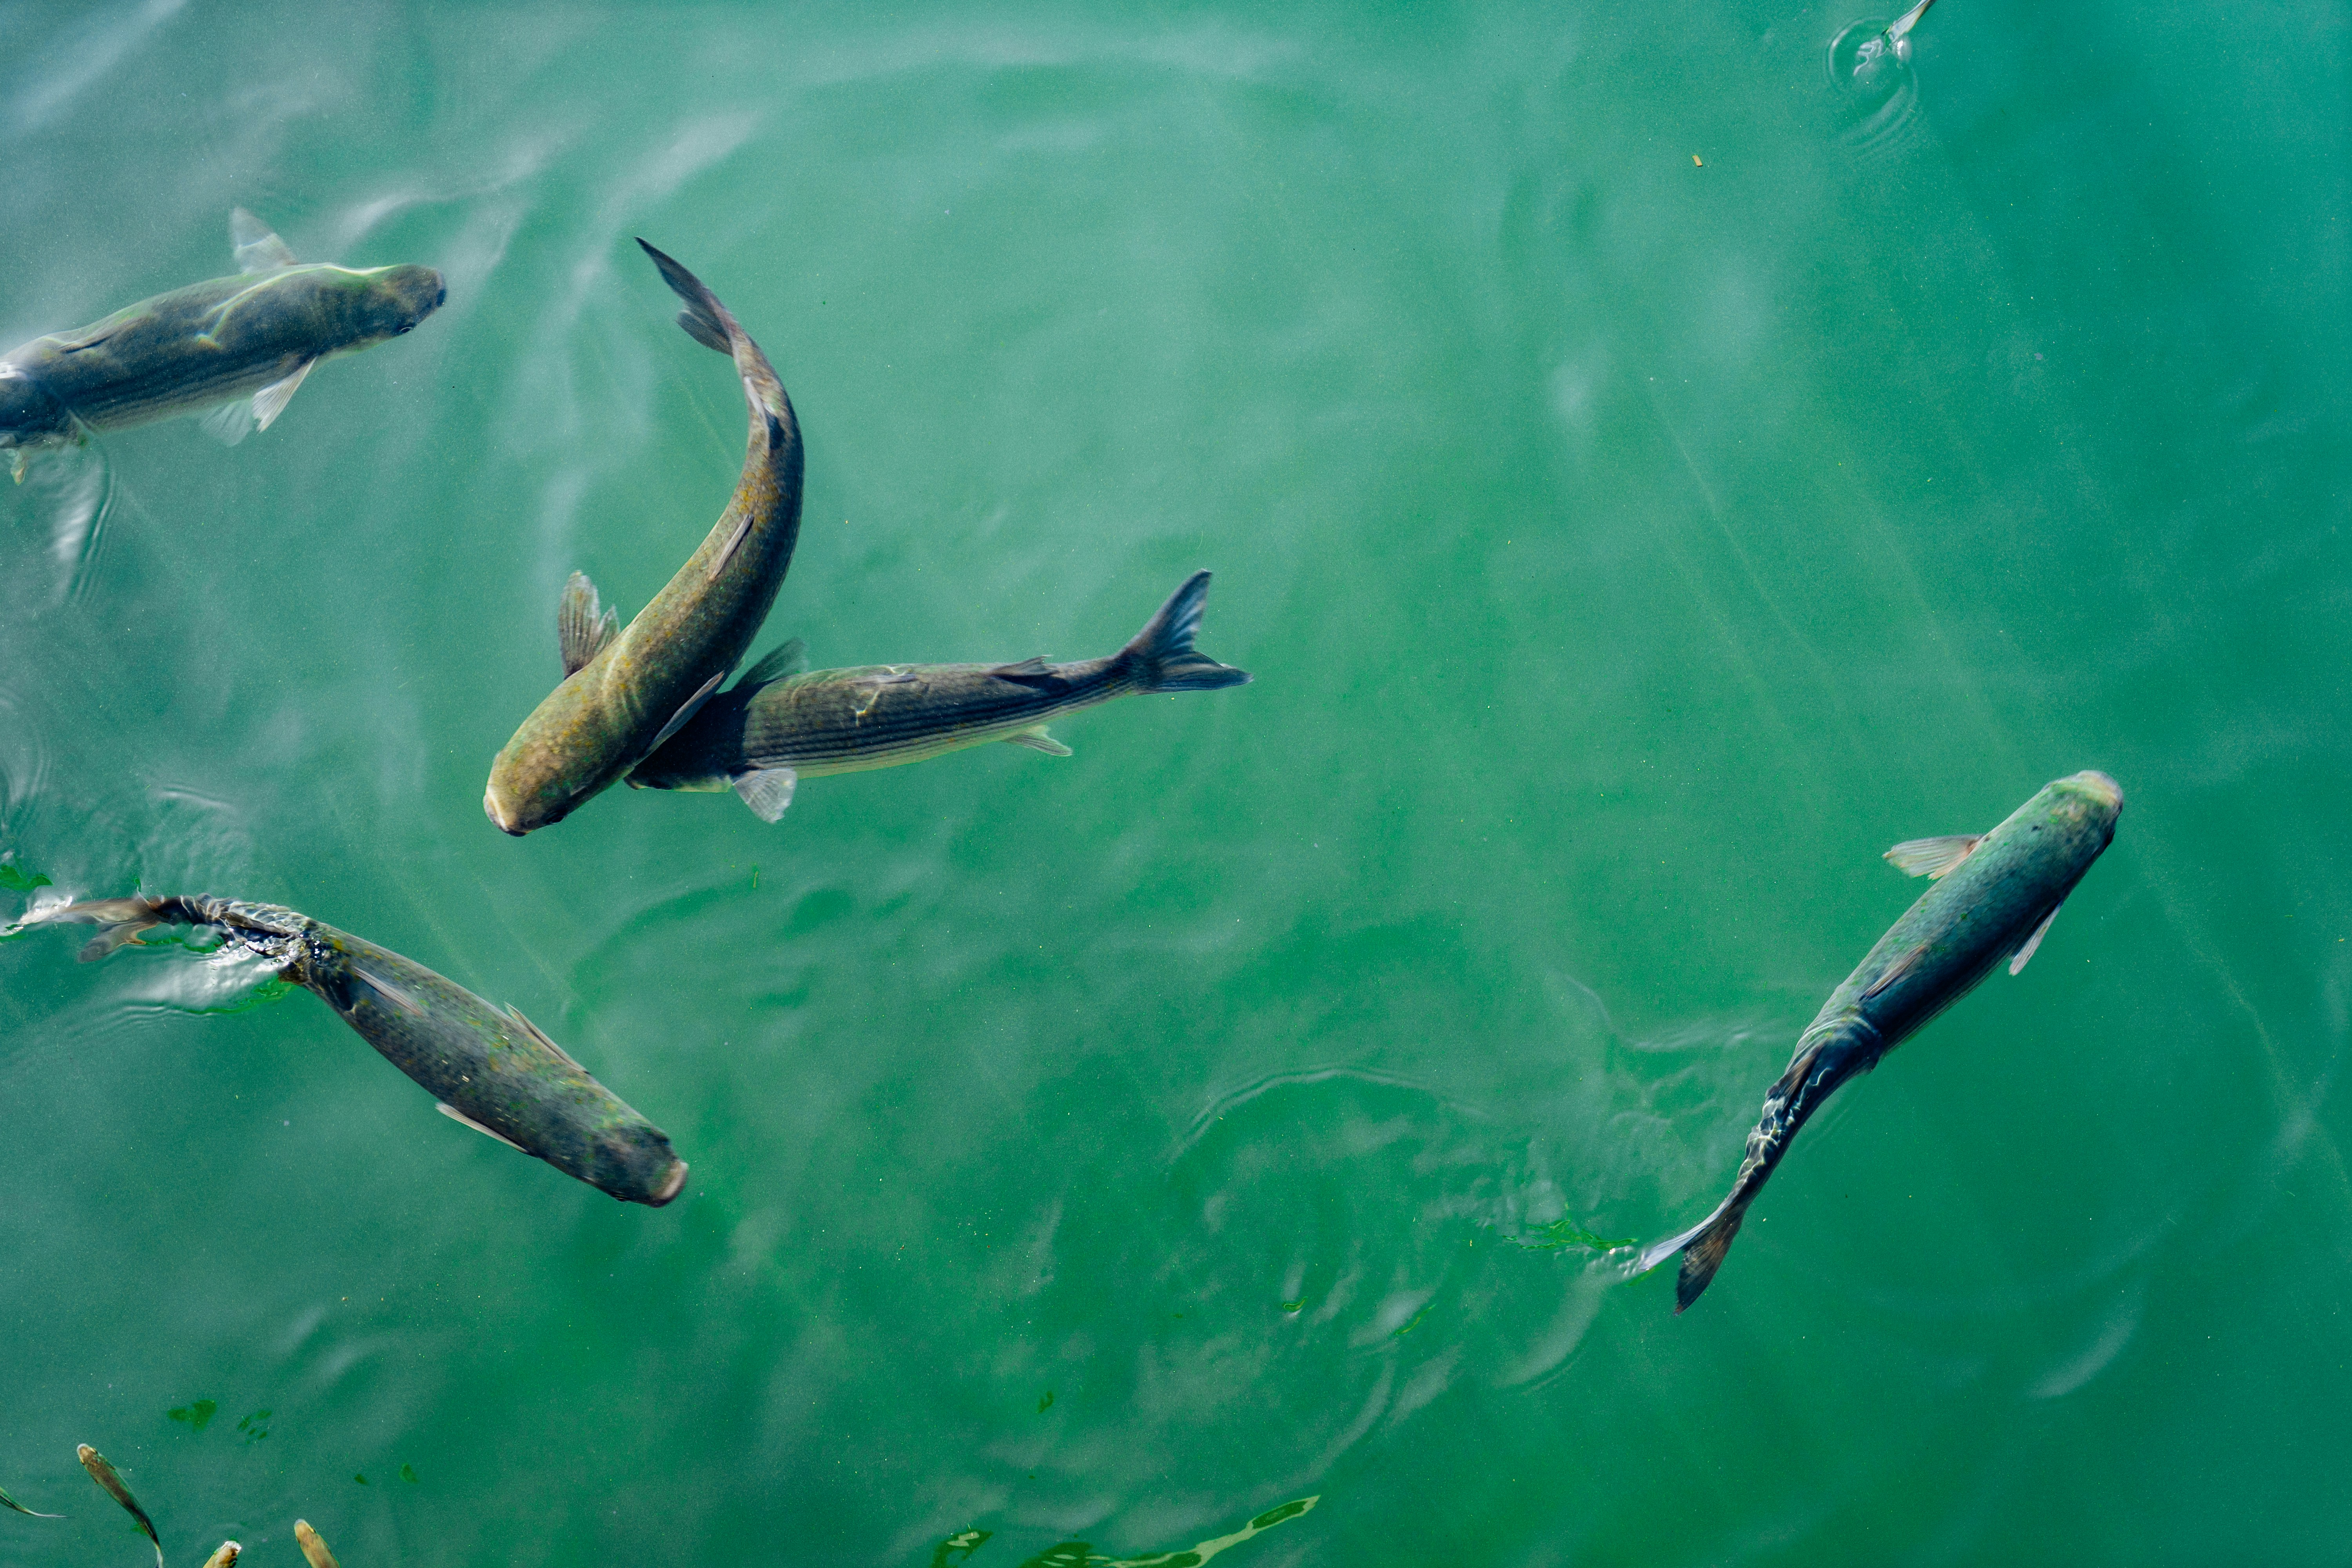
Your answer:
<point x="774" y="727"/>
<point x="103" y="1473"/>
<point x="623" y="694"/>
<point x="314" y="1550"/>
<point x="1994" y="898"/>
<point x="238" y="345"/>
<point x="1893" y="43"/>
<point x="225" y="1555"/>
<point x="488" y="1066"/>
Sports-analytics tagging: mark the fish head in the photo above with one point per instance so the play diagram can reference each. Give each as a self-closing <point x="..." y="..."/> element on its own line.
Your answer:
<point x="633" y="1160"/>
<point x="395" y="300"/>
<point x="2082" y="808"/>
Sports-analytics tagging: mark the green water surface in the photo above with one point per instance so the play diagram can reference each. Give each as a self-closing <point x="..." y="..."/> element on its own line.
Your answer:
<point x="1647" y="478"/>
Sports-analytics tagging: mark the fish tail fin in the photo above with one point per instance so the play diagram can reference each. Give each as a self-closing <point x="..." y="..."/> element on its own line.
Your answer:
<point x="1162" y="656"/>
<point x="1703" y="1247"/>
<point x="711" y="324"/>
<point x="118" y="922"/>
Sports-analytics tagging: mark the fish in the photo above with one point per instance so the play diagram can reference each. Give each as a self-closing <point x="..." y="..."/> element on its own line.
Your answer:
<point x="7" y="1501"/>
<point x="776" y="727"/>
<point x="487" y="1066"/>
<point x="1890" y="43"/>
<point x="624" y="693"/>
<point x="240" y="346"/>
<point x="1994" y="898"/>
<point x="225" y="1555"/>
<point x="103" y="1473"/>
<point x="314" y="1550"/>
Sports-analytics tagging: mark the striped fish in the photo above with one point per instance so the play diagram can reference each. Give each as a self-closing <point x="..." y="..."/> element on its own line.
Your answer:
<point x="776" y="727"/>
<point x="488" y="1066"/>
<point x="240" y="346"/>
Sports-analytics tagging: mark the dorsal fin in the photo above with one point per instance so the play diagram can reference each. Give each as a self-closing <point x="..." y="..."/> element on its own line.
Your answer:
<point x="784" y="660"/>
<point x="257" y="246"/>
<point x="1028" y="672"/>
<point x="582" y="626"/>
<point x="534" y="1031"/>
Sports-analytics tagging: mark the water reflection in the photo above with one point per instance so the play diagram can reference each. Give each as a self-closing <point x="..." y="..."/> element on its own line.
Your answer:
<point x="1877" y="92"/>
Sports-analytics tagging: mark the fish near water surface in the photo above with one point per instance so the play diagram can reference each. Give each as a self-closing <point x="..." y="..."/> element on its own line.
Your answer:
<point x="624" y="693"/>
<point x="774" y="728"/>
<point x="112" y="1484"/>
<point x="488" y="1066"/>
<point x="240" y="346"/>
<point x="1994" y="898"/>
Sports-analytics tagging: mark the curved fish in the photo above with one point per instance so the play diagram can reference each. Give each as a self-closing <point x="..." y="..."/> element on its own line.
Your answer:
<point x="774" y="728"/>
<point x="488" y="1066"/>
<point x="238" y="345"/>
<point x="1994" y="898"/>
<point x="622" y="695"/>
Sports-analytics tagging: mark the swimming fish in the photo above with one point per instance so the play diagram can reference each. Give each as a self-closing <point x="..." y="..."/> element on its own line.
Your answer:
<point x="488" y="1066"/>
<point x="103" y="1473"/>
<point x="1994" y="898"/>
<point x="238" y="345"/>
<point x="225" y="1555"/>
<point x="314" y="1550"/>
<point x="7" y="1501"/>
<point x="623" y="694"/>
<point x="774" y="728"/>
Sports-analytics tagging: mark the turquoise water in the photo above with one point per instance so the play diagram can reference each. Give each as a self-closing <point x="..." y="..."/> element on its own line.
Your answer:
<point x="1647" y="475"/>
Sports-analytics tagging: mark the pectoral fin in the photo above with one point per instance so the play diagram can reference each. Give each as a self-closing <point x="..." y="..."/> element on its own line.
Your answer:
<point x="767" y="791"/>
<point x="2034" y="941"/>
<point x="454" y="1114"/>
<point x="1932" y="857"/>
<point x="677" y="720"/>
<point x="1036" y="740"/>
<point x="259" y="248"/>
<point x="271" y="400"/>
<point x="230" y="422"/>
<point x="582" y="626"/>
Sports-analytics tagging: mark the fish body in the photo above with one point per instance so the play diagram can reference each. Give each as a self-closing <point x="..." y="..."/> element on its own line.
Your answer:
<point x="623" y="694"/>
<point x="488" y="1066"/>
<point x="772" y="728"/>
<point x="254" y="334"/>
<point x="314" y="1550"/>
<point x="1994" y="899"/>
<point x="112" y="1484"/>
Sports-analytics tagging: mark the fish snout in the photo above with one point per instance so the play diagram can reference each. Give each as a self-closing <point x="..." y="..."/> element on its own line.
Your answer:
<point x="497" y="811"/>
<point x="2099" y="787"/>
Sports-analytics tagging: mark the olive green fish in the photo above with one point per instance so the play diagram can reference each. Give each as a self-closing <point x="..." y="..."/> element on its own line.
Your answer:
<point x="314" y="1550"/>
<point x="488" y="1066"/>
<point x="225" y="1555"/>
<point x="774" y="728"/>
<point x="624" y="693"/>
<point x="7" y="1501"/>
<point x="1994" y="898"/>
<point x="103" y="1473"/>
<point x="240" y="346"/>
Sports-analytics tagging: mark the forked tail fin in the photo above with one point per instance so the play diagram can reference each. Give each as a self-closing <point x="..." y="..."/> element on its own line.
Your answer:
<point x="1703" y="1247"/>
<point x="118" y="922"/>
<point x="712" y="325"/>
<point x="1163" y="654"/>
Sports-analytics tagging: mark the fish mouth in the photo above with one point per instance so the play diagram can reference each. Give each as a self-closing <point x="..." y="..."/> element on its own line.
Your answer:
<point x="496" y="812"/>
<point x="2099" y="787"/>
<point x="671" y="1186"/>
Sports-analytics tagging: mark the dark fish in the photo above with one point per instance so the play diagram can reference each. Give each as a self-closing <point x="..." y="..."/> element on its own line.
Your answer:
<point x="488" y="1066"/>
<point x="314" y="1550"/>
<point x="103" y="1473"/>
<point x="1994" y="899"/>
<point x="211" y="345"/>
<point x="622" y="695"/>
<point x="7" y="1501"/>
<point x="774" y="728"/>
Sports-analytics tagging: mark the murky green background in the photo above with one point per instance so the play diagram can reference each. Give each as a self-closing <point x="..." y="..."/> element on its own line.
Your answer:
<point x="1628" y="549"/>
